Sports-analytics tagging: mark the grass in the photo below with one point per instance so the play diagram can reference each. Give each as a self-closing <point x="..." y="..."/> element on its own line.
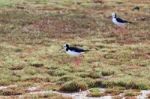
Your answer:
<point x="9" y="3"/>
<point x="43" y="96"/>
<point x="32" y="34"/>
<point x="74" y="86"/>
<point x="12" y="91"/>
<point x="131" y="94"/>
<point x="94" y="92"/>
<point x="114" y="91"/>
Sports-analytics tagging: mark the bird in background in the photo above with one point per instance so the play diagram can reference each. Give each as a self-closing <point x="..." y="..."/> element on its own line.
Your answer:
<point x="75" y="52"/>
<point x="121" y="23"/>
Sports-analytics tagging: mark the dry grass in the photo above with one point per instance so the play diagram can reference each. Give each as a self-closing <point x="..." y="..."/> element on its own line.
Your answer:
<point x="37" y="96"/>
<point x="33" y="32"/>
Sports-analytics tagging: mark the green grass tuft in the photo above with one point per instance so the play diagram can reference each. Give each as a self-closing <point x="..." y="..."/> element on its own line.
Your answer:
<point x="74" y="86"/>
<point x="95" y="92"/>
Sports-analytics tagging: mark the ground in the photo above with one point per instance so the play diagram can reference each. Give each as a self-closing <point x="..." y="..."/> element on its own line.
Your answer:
<point x="33" y="32"/>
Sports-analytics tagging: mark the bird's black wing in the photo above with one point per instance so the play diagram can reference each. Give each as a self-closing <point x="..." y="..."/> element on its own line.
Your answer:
<point x="77" y="49"/>
<point x="121" y="20"/>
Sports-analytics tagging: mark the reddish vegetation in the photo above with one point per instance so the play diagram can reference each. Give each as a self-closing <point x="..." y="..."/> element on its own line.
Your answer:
<point x="132" y="97"/>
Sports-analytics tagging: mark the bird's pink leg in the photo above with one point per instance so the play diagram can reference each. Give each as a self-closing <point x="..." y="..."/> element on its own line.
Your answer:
<point x="120" y="29"/>
<point x="77" y="61"/>
<point x="123" y="29"/>
<point x="120" y="32"/>
<point x="116" y="30"/>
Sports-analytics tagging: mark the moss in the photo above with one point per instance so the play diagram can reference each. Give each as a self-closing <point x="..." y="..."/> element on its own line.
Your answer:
<point x="100" y="83"/>
<point x="16" y="67"/>
<point x="107" y="73"/>
<point x="131" y="93"/>
<point x="94" y="92"/>
<point x="45" y="96"/>
<point x="74" y="86"/>
<point x="57" y="72"/>
<point x="90" y="82"/>
<point x="113" y="91"/>
<point x="66" y="78"/>
<point x="95" y="74"/>
<point x="12" y="91"/>
<point x="82" y="74"/>
<point x="36" y="64"/>
<point x="30" y="70"/>
<point x="133" y="85"/>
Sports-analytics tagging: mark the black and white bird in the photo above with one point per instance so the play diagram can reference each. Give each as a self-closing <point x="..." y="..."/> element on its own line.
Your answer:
<point x="118" y="21"/>
<point x="74" y="51"/>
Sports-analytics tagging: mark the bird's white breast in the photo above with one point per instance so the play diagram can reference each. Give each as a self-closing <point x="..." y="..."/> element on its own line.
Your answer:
<point x="72" y="53"/>
<point x="118" y="23"/>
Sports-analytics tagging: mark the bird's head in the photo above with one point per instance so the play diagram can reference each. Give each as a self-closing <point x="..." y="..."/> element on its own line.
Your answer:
<point x="66" y="46"/>
<point x="114" y="15"/>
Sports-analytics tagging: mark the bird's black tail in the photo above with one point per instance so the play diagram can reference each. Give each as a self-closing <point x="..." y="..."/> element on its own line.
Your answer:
<point x="131" y="22"/>
<point x="86" y="50"/>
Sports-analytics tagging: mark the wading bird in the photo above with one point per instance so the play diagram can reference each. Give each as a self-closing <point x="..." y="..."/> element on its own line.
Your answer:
<point x="121" y="23"/>
<point x="74" y="51"/>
